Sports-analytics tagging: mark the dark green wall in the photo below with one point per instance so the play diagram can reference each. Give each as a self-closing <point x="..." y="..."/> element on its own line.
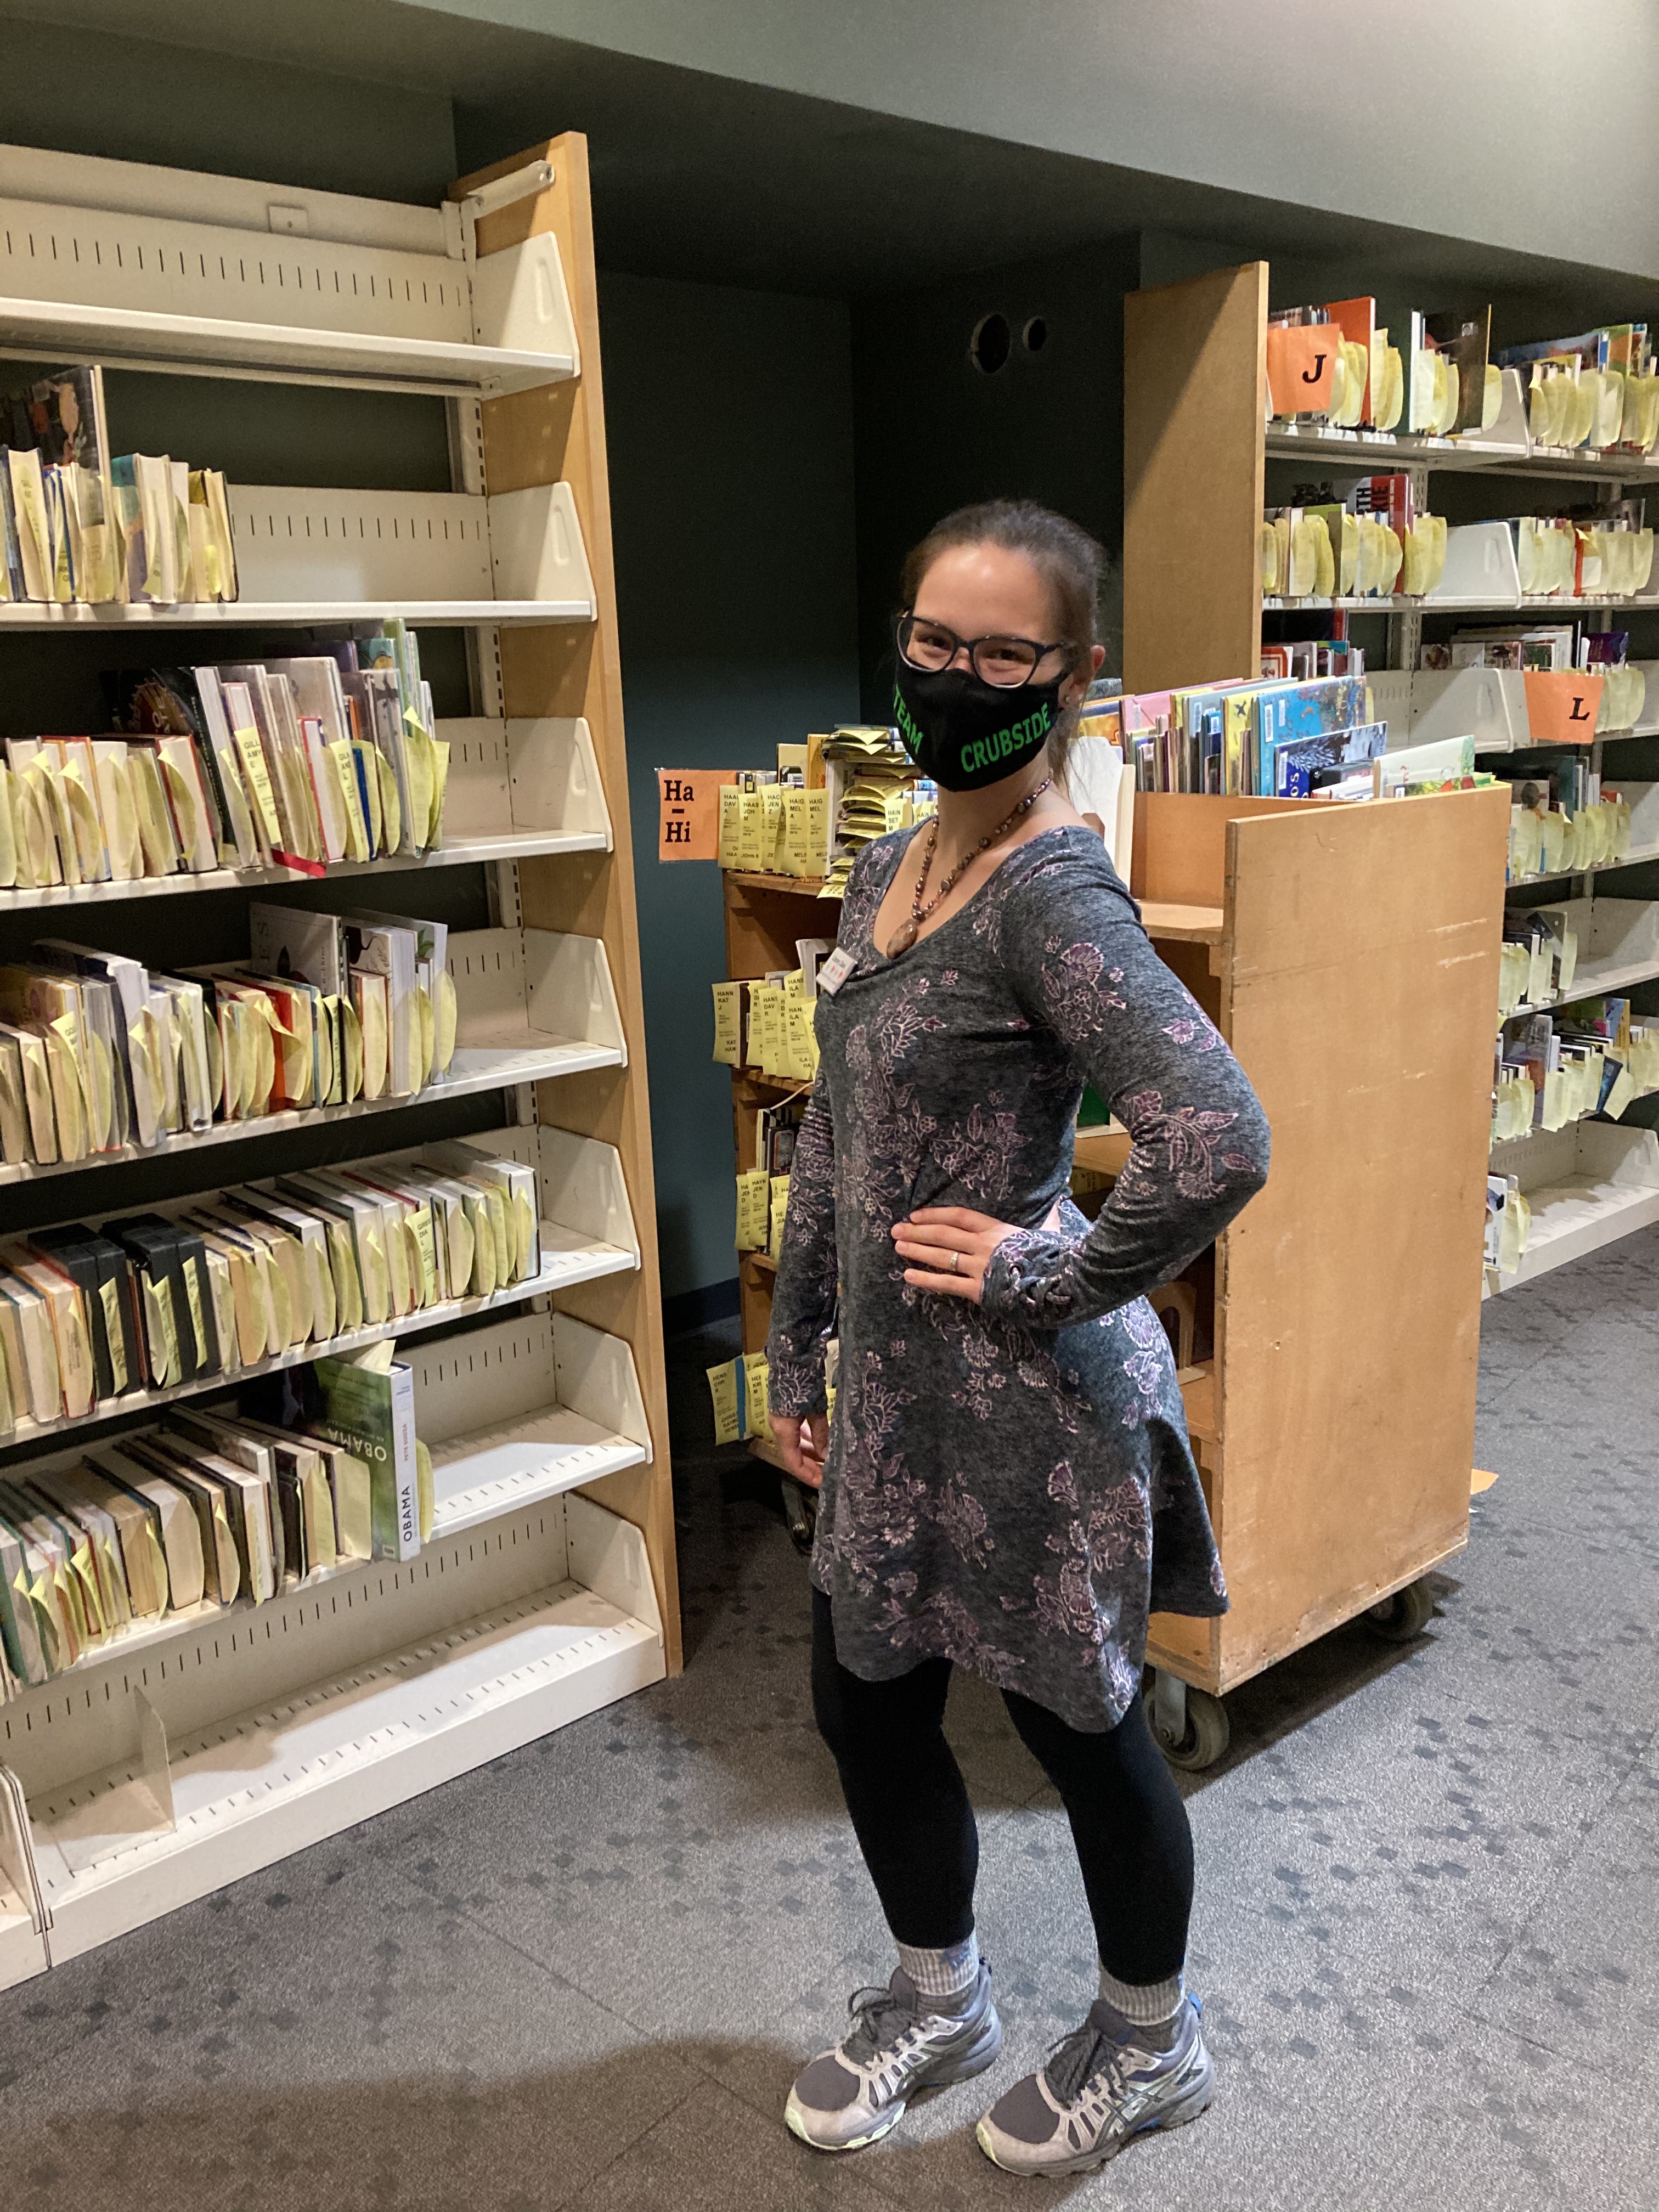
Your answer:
<point x="136" y="99"/>
<point x="728" y="416"/>
<point x="933" y="431"/>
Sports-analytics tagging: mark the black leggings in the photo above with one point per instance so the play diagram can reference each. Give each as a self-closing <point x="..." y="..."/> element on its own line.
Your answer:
<point x="916" y="1826"/>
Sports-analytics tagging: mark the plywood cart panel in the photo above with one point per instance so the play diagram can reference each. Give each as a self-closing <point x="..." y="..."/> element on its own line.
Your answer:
<point x="1356" y="969"/>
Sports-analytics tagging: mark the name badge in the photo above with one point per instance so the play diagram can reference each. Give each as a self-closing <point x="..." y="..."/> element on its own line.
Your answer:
<point x="835" y="971"/>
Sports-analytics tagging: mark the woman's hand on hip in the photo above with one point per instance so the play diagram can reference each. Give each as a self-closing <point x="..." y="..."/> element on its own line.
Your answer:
<point x="948" y="1248"/>
<point x="802" y="1442"/>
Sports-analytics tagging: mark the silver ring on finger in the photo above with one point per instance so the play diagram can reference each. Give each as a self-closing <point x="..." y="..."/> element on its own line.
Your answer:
<point x="956" y="1263"/>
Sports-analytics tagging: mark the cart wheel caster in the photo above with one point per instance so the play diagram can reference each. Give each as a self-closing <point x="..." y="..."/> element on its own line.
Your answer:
<point x="1404" y="1616"/>
<point x="1204" y="1739"/>
<point x="800" y="1514"/>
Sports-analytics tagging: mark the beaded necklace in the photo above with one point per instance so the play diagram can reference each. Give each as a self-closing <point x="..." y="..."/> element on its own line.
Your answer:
<point x="919" y="913"/>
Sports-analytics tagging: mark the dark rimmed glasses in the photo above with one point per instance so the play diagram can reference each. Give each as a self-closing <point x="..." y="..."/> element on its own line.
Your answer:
<point x="1006" y="662"/>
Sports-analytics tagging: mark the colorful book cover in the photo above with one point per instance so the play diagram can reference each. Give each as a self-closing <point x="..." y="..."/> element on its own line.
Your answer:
<point x="372" y="1415"/>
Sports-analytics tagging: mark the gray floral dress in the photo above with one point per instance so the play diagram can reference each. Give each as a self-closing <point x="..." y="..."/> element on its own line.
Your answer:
<point x="1009" y="1484"/>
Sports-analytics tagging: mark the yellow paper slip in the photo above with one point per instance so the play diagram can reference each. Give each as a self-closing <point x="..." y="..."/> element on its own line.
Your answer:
<point x="729" y="851"/>
<point x="109" y="1298"/>
<point x="723" y="1390"/>
<point x="444" y="1016"/>
<point x="751" y="845"/>
<point x="8" y="833"/>
<point x="728" y="1020"/>
<point x="753" y="1207"/>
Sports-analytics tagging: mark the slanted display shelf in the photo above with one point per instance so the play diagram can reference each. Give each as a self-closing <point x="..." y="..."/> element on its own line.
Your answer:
<point x="536" y="1442"/>
<point x="585" y="1231"/>
<point x="1507" y="449"/>
<point x="308" y="557"/>
<point x="1589" y="1185"/>
<point x="531" y="1005"/>
<point x="166" y="270"/>
<point x="515" y="790"/>
<point x="1488" y="704"/>
<point x="147" y="1788"/>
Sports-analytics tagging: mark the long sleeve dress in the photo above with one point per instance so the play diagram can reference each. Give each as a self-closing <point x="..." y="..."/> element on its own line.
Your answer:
<point x="1009" y="1484"/>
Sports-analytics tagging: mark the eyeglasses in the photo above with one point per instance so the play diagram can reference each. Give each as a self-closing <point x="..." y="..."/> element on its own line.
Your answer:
<point x="1006" y="662"/>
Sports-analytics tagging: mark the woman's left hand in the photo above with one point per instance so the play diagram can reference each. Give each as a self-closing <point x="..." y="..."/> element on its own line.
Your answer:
<point x="948" y="1247"/>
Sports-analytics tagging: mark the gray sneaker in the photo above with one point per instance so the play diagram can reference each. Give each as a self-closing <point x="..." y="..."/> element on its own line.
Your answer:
<point x="852" y="2095"/>
<point x="1107" y="2081"/>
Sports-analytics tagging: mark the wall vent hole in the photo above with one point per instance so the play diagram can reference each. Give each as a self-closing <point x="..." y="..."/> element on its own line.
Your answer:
<point x="990" y="345"/>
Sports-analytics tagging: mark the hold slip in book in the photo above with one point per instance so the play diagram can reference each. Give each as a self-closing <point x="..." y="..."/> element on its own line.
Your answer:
<point x="211" y="1286"/>
<point x="1552" y="1069"/>
<point x="1599" y="390"/>
<point x="737" y="1388"/>
<point x="1565" y="818"/>
<point x="1335" y="363"/>
<point x="208" y="1507"/>
<point x="98" y="1053"/>
<point x="83" y="526"/>
<point x="299" y="763"/>
<point x="1372" y="544"/>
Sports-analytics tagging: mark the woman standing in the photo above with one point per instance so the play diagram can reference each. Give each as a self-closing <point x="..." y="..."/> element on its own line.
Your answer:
<point x="1009" y="1487"/>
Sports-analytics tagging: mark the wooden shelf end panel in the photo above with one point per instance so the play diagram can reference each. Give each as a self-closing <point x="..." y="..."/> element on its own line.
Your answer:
<point x="1195" y="374"/>
<point x="551" y="435"/>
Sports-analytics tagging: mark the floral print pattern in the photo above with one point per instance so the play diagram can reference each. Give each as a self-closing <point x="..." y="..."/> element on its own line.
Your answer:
<point x="1009" y="1484"/>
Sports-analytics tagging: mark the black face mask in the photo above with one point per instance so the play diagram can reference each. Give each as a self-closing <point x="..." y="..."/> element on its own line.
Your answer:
<point x="964" y="732"/>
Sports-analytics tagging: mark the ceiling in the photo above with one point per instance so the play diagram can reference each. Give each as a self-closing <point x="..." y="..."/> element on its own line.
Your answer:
<point x="711" y="178"/>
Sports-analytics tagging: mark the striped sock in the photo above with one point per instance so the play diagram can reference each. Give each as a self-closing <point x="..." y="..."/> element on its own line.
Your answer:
<point x="1147" y="2004"/>
<point x="946" y="1974"/>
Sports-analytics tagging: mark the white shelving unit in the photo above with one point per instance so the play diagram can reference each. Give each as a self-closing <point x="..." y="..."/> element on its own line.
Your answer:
<point x="514" y="1413"/>
<point x="1589" y="1185"/>
<point x="516" y="790"/>
<point x="1507" y="449"/>
<point x="167" y="270"/>
<point x="161" y="1776"/>
<point x="1594" y="1182"/>
<point x="528" y="997"/>
<point x="317" y="557"/>
<point x="1480" y="577"/>
<point x="512" y="987"/>
<point x="586" y="1230"/>
<point x="501" y="1437"/>
<point x="198" y="1747"/>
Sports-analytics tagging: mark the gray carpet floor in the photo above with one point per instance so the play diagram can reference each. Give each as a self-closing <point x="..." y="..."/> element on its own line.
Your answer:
<point x="1427" y="1932"/>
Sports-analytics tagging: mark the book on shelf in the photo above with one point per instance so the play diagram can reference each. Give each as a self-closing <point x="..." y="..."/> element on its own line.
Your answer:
<point x="1334" y="366"/>
<point x="369" y="1408"/>
<point x="87" y="526"/>
<point x="738" y="1390"/>
<point x="97" y="1054"/>
<point x="206" y="1288"/>
<point x="203" y="1509"/>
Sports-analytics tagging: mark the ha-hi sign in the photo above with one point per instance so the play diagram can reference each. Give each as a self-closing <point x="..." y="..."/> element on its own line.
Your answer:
<point x="689" y="811"/>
